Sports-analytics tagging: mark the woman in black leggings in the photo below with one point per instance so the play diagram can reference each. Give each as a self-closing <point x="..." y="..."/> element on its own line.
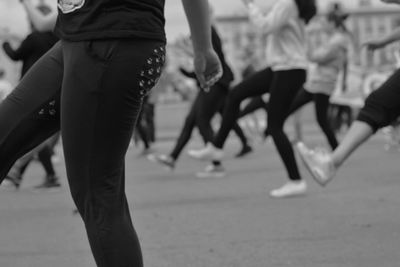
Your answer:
<point x="286" y="56"/>
<point x="110" y="55"/>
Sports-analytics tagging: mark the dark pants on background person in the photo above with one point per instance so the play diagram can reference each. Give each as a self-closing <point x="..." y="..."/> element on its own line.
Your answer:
<point x="254" y="104"/>
<point x="321" y="102"/>
<point x="203" y="109"/>
<point x="44" y="153"/>
<point x="102" y="86"/>
<point x="382" y="106"/>
<point x="283" y="87"/>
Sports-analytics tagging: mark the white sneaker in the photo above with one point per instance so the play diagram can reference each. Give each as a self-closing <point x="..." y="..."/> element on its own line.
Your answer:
<point x="290" y="189"/>
<point x="318" y="162"/>
<point x="210" y="152"/>
<point x="212" y="171"/>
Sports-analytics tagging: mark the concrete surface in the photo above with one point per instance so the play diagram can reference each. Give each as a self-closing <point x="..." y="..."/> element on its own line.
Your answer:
<point x="184" y="221"/>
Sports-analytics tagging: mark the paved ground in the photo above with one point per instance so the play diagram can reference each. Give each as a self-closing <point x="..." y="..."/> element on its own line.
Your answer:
<point x="184" y="221"/>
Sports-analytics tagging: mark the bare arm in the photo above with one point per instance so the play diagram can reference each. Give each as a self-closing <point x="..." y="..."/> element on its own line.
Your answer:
<point x="388" y="39"/>
<point x="40" y="22"/>
<point x="207" y="66"/>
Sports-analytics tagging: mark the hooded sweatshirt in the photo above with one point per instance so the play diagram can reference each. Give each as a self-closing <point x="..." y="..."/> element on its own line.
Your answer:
<point x="286" y="41"/>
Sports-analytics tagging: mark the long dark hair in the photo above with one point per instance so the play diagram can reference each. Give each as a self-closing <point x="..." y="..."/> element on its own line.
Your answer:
<point x="307" y="9"/>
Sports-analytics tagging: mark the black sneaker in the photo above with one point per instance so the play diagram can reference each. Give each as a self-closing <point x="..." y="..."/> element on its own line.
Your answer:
<point x="49" y="183"/>
<point x="165" y="160"/>
<point x="245" y="150"/>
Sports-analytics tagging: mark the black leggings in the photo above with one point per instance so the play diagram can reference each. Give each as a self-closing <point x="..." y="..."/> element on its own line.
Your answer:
<point x="254" y="104"/>
<point x="102" y="84"/>
<point x="382" y="106"/>
<point x="203" y="109"/>
<point x="283" y="87"/>
<point x="321" y="112"/>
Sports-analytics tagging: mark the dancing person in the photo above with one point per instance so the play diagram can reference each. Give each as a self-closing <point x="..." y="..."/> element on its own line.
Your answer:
<point x="381" y="108"/>
<point x="329" y="61"/>
<point x="35" y="45"/>
<point x="110" y="55"/>
<point x="283" y="78"/>
<point x="201" y="117"/>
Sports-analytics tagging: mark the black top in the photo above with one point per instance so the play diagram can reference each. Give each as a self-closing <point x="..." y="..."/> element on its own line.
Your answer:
<point x="227" y="76"/>
<point x="102" y="19"/>
<point x="31" y="49"/>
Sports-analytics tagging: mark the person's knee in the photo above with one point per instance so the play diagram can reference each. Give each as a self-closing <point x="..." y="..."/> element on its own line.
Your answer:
<point x="274" y="130"/>
<point x="376" y="114"/>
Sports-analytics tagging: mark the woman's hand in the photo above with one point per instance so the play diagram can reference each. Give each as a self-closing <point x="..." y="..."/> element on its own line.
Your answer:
<point x="207" y="68"/>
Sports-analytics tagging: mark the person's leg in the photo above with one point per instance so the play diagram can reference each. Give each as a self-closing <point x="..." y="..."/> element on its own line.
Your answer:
<point x="254" y="104"/>
<point x="187" y="129"/>
<point x="51" y="179"/>
<point x="321" y="113"/>
<point x="246" y="148"/>
<point x="44" y="156"/>
<point x="256" y="84"/>
<point x="209" y="104"/>
<point x="381" y="108"/>
<point x="141" y="129"/>
<point x="103" y="88"/>
<point x="149" y="119"/>
<point x="25" y="117"/>
<point x="302" y="97"/>
<point x="283" y="91"/>
<point x="38" y="86"/>
<point x="17" y="150"/>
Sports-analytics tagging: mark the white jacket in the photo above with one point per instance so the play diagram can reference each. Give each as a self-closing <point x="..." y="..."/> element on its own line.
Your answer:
<point x="286" y="41"/>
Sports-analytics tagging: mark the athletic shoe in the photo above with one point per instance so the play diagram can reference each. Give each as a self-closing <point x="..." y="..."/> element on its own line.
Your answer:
<point x="146" y="151"/>
<point x="50" y="183"/>
<point x="318" y="162"/>
<point x="212" y="171"/>
<point x="244" y="151"/>
<point x="210" y="152"/>
<point x="290" y="189"/>
<point x="11" y="183"/>
<point x="165" y="160"/>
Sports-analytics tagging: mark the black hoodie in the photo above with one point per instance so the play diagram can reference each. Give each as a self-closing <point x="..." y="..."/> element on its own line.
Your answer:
<point x="31" y="49"/>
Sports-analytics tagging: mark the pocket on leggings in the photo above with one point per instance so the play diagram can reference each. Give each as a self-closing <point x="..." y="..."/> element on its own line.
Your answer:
<point x="101" y="50"/>
<point x="151" y="70"/>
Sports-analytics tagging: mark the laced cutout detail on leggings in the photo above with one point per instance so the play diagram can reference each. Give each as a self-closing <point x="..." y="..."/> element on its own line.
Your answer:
<point x="49" y="110"/>
<point x="151" y="71"/>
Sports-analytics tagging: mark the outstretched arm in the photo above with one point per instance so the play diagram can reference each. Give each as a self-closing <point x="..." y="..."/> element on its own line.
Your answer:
<point x="40" y="22"/>
<point x="392" y="1"/>
<point x="206" y="63"/>
<point x="382" y="42"/>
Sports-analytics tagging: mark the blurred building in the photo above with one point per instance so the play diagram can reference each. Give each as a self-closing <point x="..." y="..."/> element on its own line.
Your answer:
<point x="365" y="21"/>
